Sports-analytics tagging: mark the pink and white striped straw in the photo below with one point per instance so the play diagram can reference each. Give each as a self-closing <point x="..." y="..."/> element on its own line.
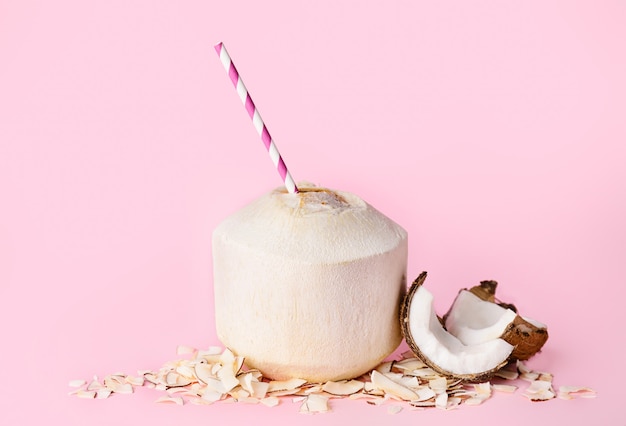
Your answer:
<point x="253" y="112"/>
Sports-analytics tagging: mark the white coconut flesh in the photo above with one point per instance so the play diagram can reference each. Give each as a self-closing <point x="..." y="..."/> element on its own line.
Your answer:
<point x="473" y="320"/>
<point x="446" y="352"/>
<point x="535" y="322"/>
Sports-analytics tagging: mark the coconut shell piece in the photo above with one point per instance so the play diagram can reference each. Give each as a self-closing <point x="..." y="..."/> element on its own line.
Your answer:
<point x="487" y="291"/>
<point x="477" y="377"/>
<point x="527" y="338"/>
<point x="526" y="335"/>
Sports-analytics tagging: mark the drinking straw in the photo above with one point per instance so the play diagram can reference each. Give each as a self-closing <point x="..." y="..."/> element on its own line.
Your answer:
<point x="258" y="123"/>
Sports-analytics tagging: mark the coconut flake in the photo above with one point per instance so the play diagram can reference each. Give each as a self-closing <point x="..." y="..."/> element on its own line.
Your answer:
<point x="308" y="389"/>
<point x="385" y="367"/>
<point x="410" y="364"/>
<point x="539" y="390"/>
<point x="425" y="393"/>
<point x="453" y="402"/>
<point x="203" y="372"/>
<point x="211" y="396"/>
<point x="173" y="379"/>
<point x="259" y="389"/>
<point x="170" y="400"/>
<point x="285" y="392"/>
<point x="270" y="401"/>
<point x="77" y="383"/>
<point x="117" y="384"/>
<point x="103" y="393"/>
<point x="569" y="392"/>
<point x="442" y="400"/>
<point x="394" y="409"/>
<point x="481" y="393"/>
<point x="185" y="350"/>
<point x="228" y="379"/>
<point x="438" y="385"/>
<point x="483" y="388"/>
<point x="150" y="377"/>
<point x="546" y="377"/>
<point x="530" y="376"/>
<point x="422" y="404"/>
<point x="181" y="390"/>
<point x="474" y="401"/>
<point x="94" y="385"/>
<point x="343" y="388"/>
<point x="89" y="394"/>
<point x="314" y="404"/>
<point x="285" y="385"/>
<point x="186" y="371"/>
<point x="388" y="386"/>
<point x="135" y="381"/>
<point x="369" y="399"/>
<point x="507" y="374"/>
<point x="504" y="388"/>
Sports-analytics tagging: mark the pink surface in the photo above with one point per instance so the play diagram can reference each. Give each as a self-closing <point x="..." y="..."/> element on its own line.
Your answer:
<point x="492" y="131"/>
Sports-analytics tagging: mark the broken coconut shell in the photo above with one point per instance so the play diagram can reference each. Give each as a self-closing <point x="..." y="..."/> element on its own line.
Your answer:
<point x="527" y="338"/>
<point x="440" y="350"/>
<point x="526" y="335"/>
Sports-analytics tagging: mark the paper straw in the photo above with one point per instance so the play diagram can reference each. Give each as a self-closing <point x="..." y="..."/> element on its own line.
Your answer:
<point x="258" y="123"/>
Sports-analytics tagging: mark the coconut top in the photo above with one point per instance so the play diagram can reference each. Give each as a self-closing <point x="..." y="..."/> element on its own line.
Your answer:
<point x="314" y="225"/>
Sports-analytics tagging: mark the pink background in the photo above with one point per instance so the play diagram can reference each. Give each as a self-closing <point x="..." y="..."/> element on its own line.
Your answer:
<point x="492" y="131"/>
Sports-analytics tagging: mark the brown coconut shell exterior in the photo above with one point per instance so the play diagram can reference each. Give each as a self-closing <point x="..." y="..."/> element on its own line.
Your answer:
<point x="527" y="338"/>
<point x="406" y="332"/>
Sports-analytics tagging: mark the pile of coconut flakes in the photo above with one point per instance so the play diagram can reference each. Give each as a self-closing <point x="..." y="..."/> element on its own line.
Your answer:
<point x="209" y="376"/>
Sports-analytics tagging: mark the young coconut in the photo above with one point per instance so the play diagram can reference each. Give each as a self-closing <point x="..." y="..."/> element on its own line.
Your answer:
<point x="308" y="285"/>
<point x="477" y="316"/>
<point x="442" y="351"/>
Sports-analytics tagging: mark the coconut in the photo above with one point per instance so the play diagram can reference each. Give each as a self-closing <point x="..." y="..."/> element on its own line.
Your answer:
<point x="308" y="285"/>
<point x="476" y="316"/>
<point x="527" y="335"/>
<point x="442" y="351"/>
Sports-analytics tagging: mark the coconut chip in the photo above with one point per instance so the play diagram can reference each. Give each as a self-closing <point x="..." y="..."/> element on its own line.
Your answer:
<point x="170" y="400"/>
<point x="94" y="384"/>
<point x="569" y="392"/>
<point x="285" y="385"/>
<point x="507" y="374"/>
<point x="442" y="400"/>
<point x="314" y="404"/>
<point x="85" y="394"/>
<point x="117" y="384"/>
<point x="438" y="385"/>
<point x="409" y="364"/>
<point x="76" y="383"/>
<point x="270" y="401"/>
<point x="135" y="381"/>
<point x="259" y="389"/>
<point x="103" y="393"/>
<point x="504" y="388"/>
<point x="394" y="409"/>
<point x="385" y="384"/>
<point x="539" y="390"/>
<point x="343" y="388"/>
<point x="185" y="350"/>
